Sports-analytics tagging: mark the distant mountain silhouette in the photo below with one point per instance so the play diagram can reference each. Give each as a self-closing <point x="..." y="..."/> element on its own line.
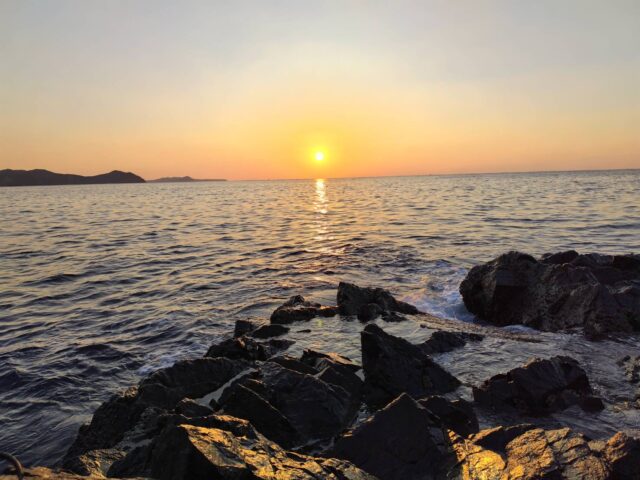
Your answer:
<point x="185" y="179"/>
<point x="23" y="178"/>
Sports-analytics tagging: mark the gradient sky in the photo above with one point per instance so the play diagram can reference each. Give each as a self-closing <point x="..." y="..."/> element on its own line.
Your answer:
<point x="251" y="89"/>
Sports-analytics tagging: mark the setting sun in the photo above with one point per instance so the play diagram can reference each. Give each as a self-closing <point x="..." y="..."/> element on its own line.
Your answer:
<point x="319" y="156"/>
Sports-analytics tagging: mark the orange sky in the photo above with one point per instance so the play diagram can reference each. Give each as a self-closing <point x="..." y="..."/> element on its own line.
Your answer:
<point x="250" y="90"/>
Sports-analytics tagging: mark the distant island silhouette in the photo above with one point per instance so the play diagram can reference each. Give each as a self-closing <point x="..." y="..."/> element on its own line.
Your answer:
<point x="40" y="177"/>
<point x="185" y="179"/>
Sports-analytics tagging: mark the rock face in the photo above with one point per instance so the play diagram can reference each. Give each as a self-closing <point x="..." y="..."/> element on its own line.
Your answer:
<point x="224" y="447"/>
<point x="599" y="293"/>
<point x="297" y="309"/>
<point x="393" y="366"/>
<point x="538" y="388"/>
<point x="367" y="303"/>
<point x="532" y="454"/>
<point x="402" y="441"/>
<point x="456" y="415"/>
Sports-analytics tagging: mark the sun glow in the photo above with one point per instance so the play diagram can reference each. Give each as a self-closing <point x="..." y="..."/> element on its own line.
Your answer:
<point x="319" y="156"/>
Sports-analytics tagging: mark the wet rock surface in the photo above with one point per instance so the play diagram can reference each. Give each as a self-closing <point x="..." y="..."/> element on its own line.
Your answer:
<point x="297" y="309"/>
<point x="250" y="410"/>
<point x="540" y="387"/>
<point x="367" y="302"/>
<point x="393" y="366"/>
<point x="597" y="293"/>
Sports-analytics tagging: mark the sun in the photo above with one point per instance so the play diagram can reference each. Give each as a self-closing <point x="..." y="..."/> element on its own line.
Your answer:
<point x="319" y="156"/>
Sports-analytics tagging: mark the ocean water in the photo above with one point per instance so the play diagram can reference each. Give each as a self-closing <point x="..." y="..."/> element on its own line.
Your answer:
<point x="102" y="284"/>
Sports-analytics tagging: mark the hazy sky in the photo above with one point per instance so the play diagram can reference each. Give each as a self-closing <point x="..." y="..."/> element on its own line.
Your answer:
<point x="251" y="89"/>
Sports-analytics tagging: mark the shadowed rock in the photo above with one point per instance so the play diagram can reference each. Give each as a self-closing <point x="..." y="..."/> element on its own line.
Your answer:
<point x="266" y="331"/>
<point x="442" y="341"/>
<point x="401" y="441"/>
<point x="367" y="303"/>
<point x="622" y="453"/>
<point x="393" y="366"/>
<point x="456" y="415"/>
<point x="599" y="293"/>
<point x="297" y="309"/>
<point x="242" y="327"/>
<point x="246" y="348"/>
<point x="540" y="387"/>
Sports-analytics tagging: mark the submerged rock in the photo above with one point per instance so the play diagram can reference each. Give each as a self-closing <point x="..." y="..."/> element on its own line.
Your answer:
<point x="246" y="348"/>
<point x="402" y="441"/>
<point x="367" y="302"/>
<point x="598" y="293"/>
<point x="539" y="387"/>
<point x="393" y="366"/>
<point x="297" y="309"/>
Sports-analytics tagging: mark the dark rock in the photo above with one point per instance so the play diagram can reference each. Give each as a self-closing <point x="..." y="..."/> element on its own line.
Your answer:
<point x="369" y="312"/>
<point x="443" y="341"/>
<point x="319" y="360"/>
<point x="297" y="309"/>
<point x="401" y="441"/>
<point x="353" y="299"/>
<point x="392" y="366"/>
<point x="538" y="388"/>
<point x="242" y="327"/>
<point x="246" y="348"/>
<point x="497" y="438"/>
<point x="247" y="404"/>
<point x="188" y="452"/>
<point x="187" y="378"/>
<point x="19" y="178"/>
<point x="622" y="453"/>
<point x="294" y="364"/>
<point x="189" y="408"/>
<point x="456" y="415"/>
<point x="266" y="331"/>
<point x="598" y="293"/>
<point x="45" y="473"/>
<point x="393" y="317"/>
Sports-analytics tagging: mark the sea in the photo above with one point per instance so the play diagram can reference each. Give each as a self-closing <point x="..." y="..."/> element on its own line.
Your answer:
<point x="103" y="284"/>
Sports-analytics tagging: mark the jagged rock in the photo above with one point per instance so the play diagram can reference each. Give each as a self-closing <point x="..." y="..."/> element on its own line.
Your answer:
<point x="599" y="293"/>
<point x="497" y="438"/>
<point x="161" y="390"/>
<point x="297" y="309"/>
<point x="622" y="453"/>
<point x="294" y="364"/>
<point x="267" y="331"/>
<point x="456" y="415"/>
<point x="355" y="300"/>
<point x="319" y="360"/>
<point x="402" y="441"/>
<point x="242" y="327"/>
<point x="246" y="348"/>
<point x="187" y="378"/>
<point x="539" y="387"/>
<point x="532" y="454"/>
<point x="392" y="366"/>
<point x="189" y="408"/>
<point x="442" y="341"/>
<point x="186" y="452"/>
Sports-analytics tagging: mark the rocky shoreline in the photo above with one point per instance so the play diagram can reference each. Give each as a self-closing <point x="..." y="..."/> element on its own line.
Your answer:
<point x="249" y="410"/>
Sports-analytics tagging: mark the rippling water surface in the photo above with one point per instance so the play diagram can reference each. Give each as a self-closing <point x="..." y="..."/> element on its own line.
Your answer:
<point x="103" y="283"/>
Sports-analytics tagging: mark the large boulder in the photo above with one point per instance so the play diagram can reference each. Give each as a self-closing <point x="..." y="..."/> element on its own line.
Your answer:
<point x="402" y="441"/>
<point x="297" y="309"/>
<point x="160" y="391"/>
<point x="367" y="302"/>
<point x="597" y="293"/>
<point x="540" y="387"/>
<point x="393" y="366"/>
<point x="188" y="452"/>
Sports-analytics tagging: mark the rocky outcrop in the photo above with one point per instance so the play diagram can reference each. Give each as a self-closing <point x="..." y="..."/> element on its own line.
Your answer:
<point x="297" y="309"/>
<point x="228" y="448"/>
<point x="401" y="441"/>
<point x="393" y="366"/>
<point x="247" y="348"/>
<point x="19" y="178"/>
<point x="528" y="453"/>
<point x="457" y="415"/>
<point x="540" y="387"/>
<point x="597" y="293"/>
<point x="367" y="303"/>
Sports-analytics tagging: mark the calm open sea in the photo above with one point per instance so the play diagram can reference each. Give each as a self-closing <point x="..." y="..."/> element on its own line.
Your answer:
<point x="101" y="284"/>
